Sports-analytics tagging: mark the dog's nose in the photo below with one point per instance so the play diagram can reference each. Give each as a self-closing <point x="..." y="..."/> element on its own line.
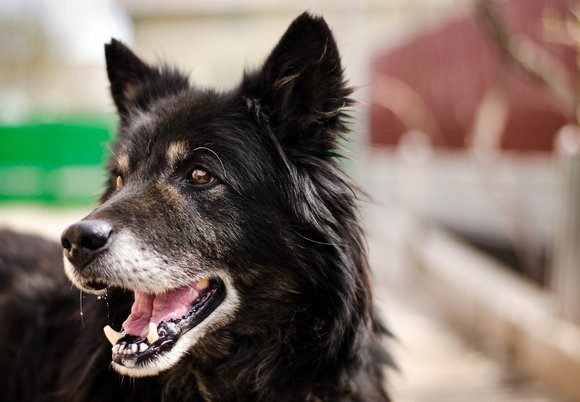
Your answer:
<point x="84" y="239"/>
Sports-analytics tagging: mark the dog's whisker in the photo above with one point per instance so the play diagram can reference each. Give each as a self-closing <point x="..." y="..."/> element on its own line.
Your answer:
<point x="321" y="242"/>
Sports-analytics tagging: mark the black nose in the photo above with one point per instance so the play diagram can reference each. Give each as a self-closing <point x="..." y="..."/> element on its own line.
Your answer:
<point x="85" y="239"/>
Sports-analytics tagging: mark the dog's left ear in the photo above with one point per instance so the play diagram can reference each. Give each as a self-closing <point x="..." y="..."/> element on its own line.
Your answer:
<point x="135" y="84"/>
<point x="300" y="88"/>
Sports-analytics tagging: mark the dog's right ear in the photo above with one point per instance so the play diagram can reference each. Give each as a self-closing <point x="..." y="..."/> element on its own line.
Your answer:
<point x="135" y="84"/>
<point x="300" y="90"/>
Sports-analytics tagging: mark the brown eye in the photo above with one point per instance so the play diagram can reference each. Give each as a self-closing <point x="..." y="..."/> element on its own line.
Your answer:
<point x="119" y="181"/>
<point x="200" y="178"/>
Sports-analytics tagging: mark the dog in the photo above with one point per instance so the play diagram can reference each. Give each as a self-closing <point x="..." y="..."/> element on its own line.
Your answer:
<point x="226" y="251"/>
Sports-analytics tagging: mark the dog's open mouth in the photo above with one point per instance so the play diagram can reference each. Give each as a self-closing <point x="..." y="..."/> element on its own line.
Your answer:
<point x="157" y="322"/>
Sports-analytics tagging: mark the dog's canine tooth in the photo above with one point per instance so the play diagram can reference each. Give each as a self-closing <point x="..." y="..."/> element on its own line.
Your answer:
<point x="134" y="348"/>
<point x="194" y="295"/>
<point x="202" y="283"/>
<point x="112" y="335"/>
<point x="142" y="347"/>
<point x="122" y="347"/>
<point x="152" y="335"/>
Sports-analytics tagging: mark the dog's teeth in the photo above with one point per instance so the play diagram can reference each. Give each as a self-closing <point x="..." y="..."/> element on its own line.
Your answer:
<point x="202" y="283"/>
<point x="121" y="347"/>
<point x="142" y="347"/>
<point x="112" y="335"/>
<point x="152" y="335"/>
<point x="134" y="348"/>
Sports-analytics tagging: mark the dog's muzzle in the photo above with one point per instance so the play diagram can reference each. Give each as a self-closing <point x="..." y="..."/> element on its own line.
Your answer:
<point x="171" y="310"/>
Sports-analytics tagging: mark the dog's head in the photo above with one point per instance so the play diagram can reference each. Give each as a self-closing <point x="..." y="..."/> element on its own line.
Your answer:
<point x="226" y="214"/>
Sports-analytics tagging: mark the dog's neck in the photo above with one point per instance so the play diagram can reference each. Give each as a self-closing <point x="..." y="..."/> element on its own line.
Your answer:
<point x="237" y="378"/>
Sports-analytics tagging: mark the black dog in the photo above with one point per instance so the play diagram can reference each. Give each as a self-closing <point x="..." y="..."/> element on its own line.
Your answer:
<point x="226" y="249"/>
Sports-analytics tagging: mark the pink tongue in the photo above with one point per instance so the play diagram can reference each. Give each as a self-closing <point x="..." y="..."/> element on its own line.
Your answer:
<point x="157" y="308"/>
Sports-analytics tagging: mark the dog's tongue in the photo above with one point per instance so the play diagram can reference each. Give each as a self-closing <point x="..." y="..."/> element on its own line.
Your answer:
<point x="157" y="308"/>
<point x="141" y="313"/>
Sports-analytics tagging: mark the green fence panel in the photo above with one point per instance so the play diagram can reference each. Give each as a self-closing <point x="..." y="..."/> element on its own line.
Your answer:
<point x="59" y="163"/>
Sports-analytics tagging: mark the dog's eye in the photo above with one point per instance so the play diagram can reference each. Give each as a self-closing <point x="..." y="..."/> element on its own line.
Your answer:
<point x="201" y="178"/>
<point x="119" y="181"/>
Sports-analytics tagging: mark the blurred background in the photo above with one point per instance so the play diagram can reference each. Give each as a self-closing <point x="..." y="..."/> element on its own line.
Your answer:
<point x="466" y="137"/>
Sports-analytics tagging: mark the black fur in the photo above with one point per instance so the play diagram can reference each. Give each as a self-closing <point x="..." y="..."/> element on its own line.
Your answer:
<point x="282" y="221"/>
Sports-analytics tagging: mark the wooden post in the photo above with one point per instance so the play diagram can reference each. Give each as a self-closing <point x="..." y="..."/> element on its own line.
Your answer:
<point x="566" y="263"/>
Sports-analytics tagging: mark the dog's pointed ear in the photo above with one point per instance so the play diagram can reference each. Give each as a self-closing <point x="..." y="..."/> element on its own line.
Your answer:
<point x="300" y="88"/>
<point x="134" y="84"/>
